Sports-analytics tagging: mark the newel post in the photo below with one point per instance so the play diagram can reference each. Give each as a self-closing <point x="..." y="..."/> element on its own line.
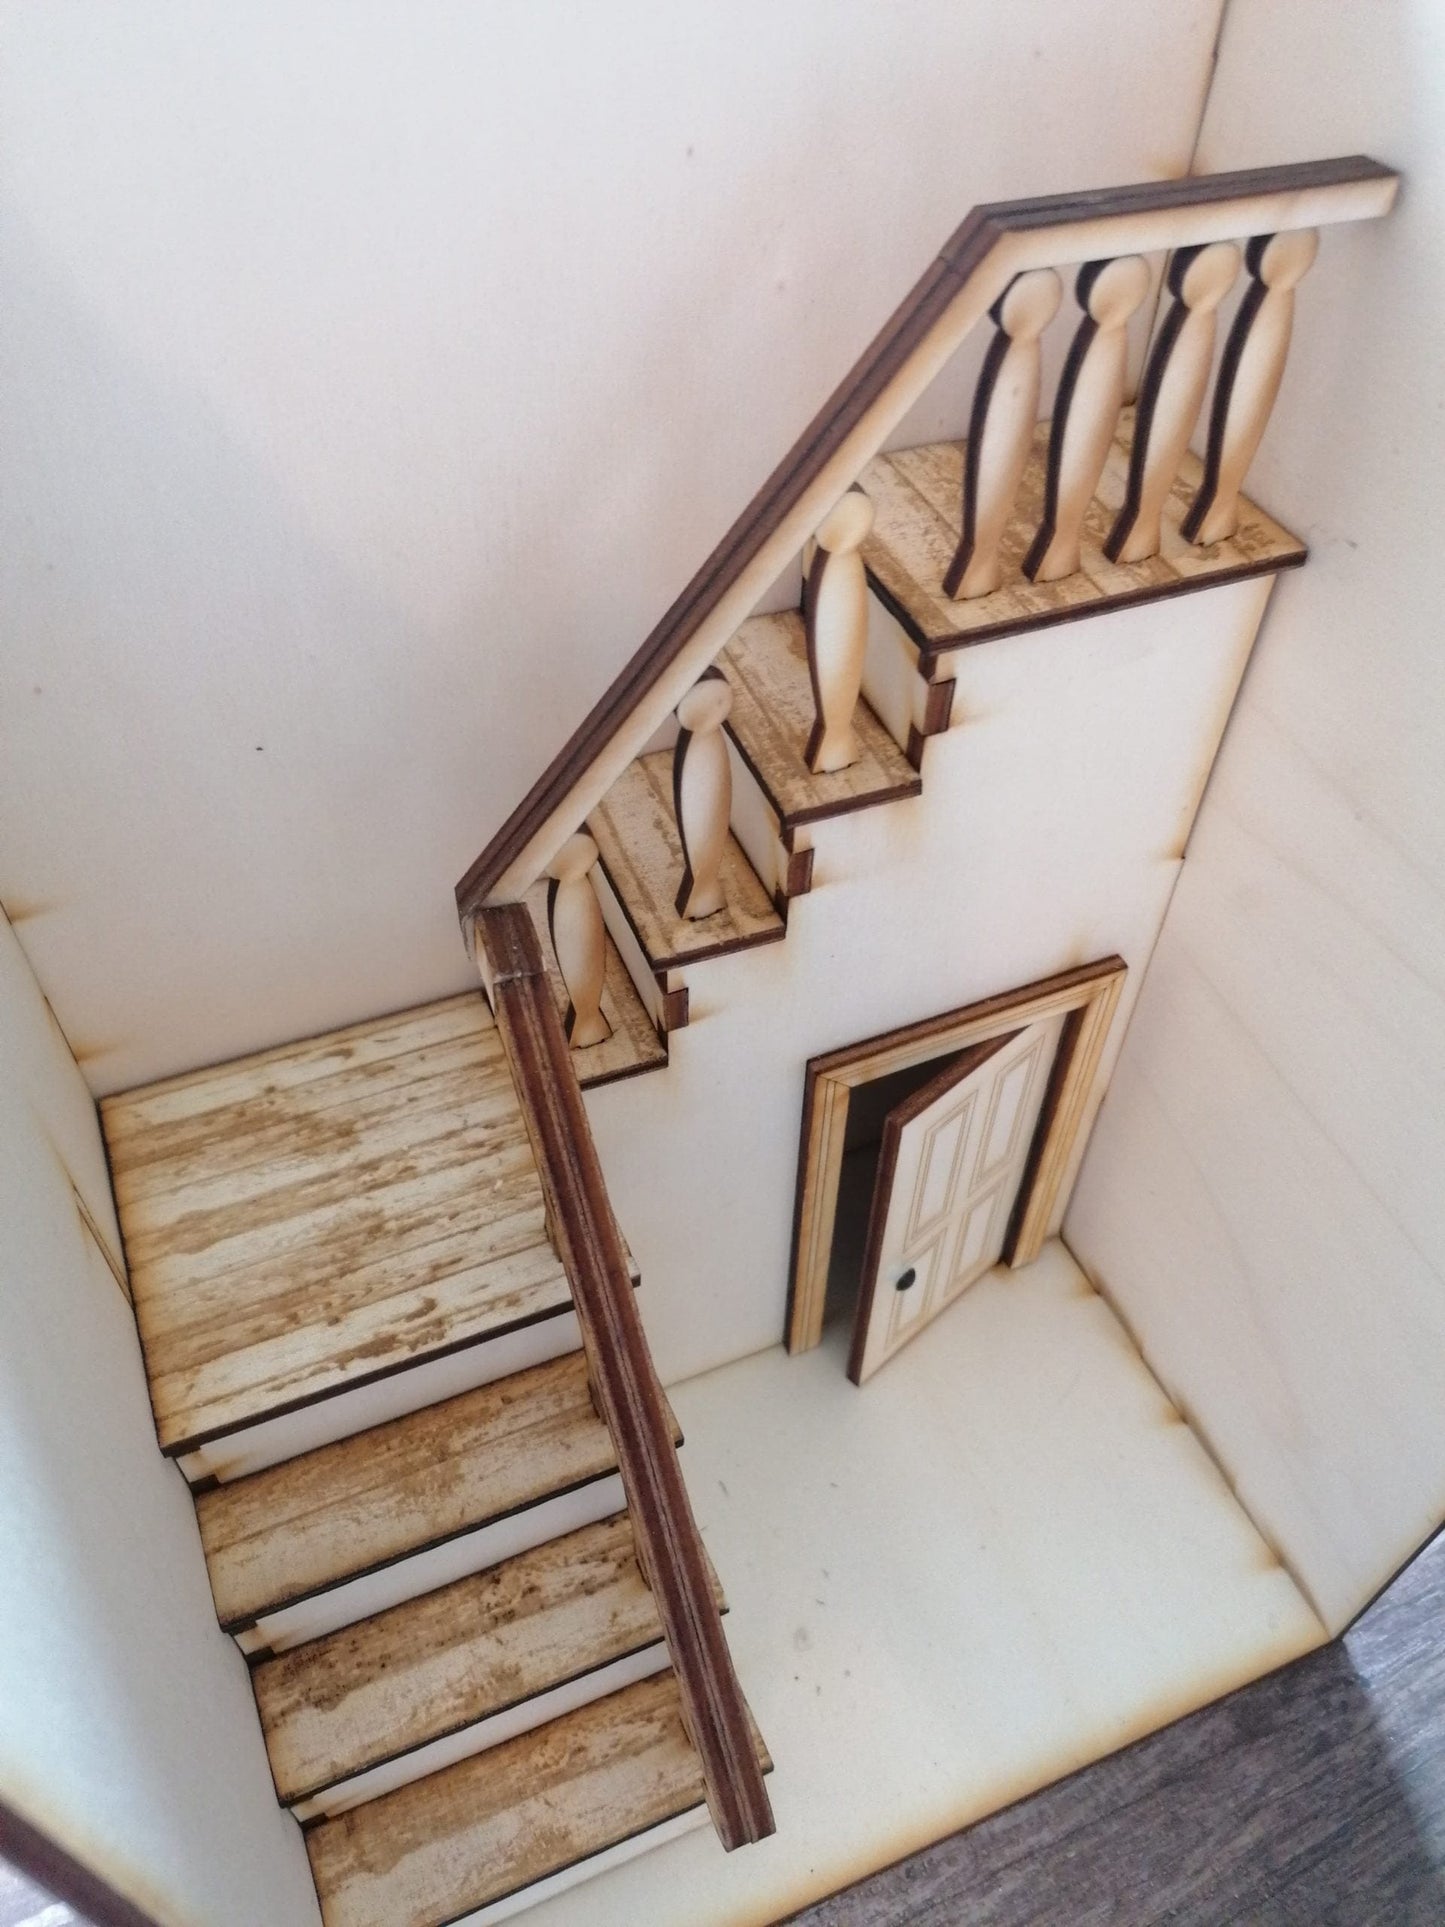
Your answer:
<point x="579" y="940"/>
<point x="702" y="792"/>
<point x="1173" y="388"/>
<point x="1001" y="429"/>
<point x="835" y="616"/>
<point x="1250" y="370"/>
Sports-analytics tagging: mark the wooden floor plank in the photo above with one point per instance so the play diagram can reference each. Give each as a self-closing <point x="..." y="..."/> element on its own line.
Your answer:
<point x="918" y="500"/>
<point x="363" y="1502"/>
<point x="434" y="1665"/>
<point x="290" y="1067"/>
<point x="469" y="1835"/>
<point x="636" y="834"/>
<point x="772" y="715"/>
<point x="309" y="1218"/>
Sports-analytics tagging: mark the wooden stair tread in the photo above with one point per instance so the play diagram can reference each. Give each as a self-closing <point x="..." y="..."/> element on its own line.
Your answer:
<point x="634" y="1046"/>
<point x="636" y="834"/>
<point x="918" y="497"/>
<point x="772" y="716"/>
<point x="435" y="1850"/>
<point x="346" y="1508"/>
<point x="433" y="1665"/>
<point x="308" y="1219"/>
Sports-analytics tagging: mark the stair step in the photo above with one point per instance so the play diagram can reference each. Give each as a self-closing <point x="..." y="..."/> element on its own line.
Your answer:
<point x="357" y="1526"/>
<point x="772" y="717"/>
<point x="917" y="494"/>
<point x="472" y="1664"/>
<point x="315" y="1218"/>
<point x="635" y="1045"/>
<point x="467" y="1837"/>
<point x="636" y="835"/>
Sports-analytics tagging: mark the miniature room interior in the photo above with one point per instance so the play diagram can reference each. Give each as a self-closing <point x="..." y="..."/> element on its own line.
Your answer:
<point x="720" y="877"/>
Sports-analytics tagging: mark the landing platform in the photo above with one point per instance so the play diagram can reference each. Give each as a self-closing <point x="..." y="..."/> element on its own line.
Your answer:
<point x="918" y="497"/>
<point x="316" y="1217"/>
<point x="1004" y="1558"/>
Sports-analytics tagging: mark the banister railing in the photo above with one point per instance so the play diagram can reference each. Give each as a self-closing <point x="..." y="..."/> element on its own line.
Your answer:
<point x="620" y="1370"/>
<point x="1200" y="220"/>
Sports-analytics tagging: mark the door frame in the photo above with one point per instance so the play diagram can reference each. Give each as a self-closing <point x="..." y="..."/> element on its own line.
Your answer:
<point x="1087" y="996"/>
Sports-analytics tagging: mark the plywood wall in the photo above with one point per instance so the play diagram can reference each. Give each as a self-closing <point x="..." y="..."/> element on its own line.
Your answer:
<point x="1264" y="1197"/>
<point x="128" y="1732"/>
<point x="373" y="381"/>
<point x="1049" y="834"/>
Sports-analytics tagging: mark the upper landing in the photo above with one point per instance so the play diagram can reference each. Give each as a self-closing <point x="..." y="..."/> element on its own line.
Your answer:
<point x="918" y="495"/>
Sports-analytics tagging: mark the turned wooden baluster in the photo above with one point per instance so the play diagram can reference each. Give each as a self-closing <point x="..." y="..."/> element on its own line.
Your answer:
<point x="835" y="616"/>
<point x="1086" y="410"/>
<point x="574" y="918"/>
<point x="1001" y="429"/>
<point x="1174" y="383"/>
<point x="1249" y="376"/>
<point x="702" y="792"/>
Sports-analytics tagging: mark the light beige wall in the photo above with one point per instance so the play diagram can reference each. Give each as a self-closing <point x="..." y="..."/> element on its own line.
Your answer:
<point x="1264" y="1195"/>
<point x="127" y="1729"/>
<point x="374" y="379"/>
<point x="1048" y="835"/>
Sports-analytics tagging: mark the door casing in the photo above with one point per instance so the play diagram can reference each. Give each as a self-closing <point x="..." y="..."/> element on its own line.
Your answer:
<point x="1088" y="998"/>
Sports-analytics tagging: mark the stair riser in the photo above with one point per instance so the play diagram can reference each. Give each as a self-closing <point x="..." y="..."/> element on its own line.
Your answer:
<point x="422" y="1572"/>
<point x="348" y="1413"/>
<point x="558" y="1883"/>
<point x="486" y="1733"/>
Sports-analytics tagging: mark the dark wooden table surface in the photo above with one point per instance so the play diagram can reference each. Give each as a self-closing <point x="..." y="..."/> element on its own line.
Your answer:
<point x="1315" y="1798"/>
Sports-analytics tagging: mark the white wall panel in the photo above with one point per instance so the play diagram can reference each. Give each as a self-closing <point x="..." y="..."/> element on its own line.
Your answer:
<point x="374" y="378"/>
<point x="1049" y="834"/>
<point x="1263" y="1198"/>
<point x="128" y="1731"/>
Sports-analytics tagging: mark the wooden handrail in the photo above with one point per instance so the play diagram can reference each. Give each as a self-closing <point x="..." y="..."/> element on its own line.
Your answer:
<point x="993" y="244"/>
<point x="623" y="1379"/>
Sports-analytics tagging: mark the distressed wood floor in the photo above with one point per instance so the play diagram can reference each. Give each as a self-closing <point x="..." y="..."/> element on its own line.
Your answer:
<point x="1315" y="1798"/>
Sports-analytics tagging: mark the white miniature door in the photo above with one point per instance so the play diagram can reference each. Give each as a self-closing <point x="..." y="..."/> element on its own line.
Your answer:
<point x="954" y="1155"/>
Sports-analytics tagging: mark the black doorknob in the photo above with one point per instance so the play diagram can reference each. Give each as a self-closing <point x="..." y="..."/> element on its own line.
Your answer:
<point x="907" y="1279"/>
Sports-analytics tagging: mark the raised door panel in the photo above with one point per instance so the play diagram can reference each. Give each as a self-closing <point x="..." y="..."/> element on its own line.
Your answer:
<point x="954" y="1155"/>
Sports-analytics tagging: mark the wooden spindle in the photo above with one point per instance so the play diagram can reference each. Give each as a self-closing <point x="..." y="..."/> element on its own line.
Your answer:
<point x="1086" y="409"/>
<point x="702" y="792"/>
<point x="1001" y="429"/>
<point x="579" y="940"/>
<point x="1173" y="387"/>
<point x="1250" y="370"/>
<point x="835" y="617"/>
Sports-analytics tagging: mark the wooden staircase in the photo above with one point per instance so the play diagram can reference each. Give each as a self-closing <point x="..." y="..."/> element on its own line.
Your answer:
<point x="388" y="1317"/>
<point x="364" y="1351"/>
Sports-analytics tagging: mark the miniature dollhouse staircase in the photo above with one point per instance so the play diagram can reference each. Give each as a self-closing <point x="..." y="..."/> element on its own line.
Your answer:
<point x="362" y="1349"/>
<point x="388" y="1317"/>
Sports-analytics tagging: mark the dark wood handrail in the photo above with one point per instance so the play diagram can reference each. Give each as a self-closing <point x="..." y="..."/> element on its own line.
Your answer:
<point x="624" y="1381"/>
<point x="1290" y="196"/>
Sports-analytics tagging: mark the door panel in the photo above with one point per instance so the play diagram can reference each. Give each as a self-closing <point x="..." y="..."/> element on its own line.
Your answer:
<point x="954" y="1154"/>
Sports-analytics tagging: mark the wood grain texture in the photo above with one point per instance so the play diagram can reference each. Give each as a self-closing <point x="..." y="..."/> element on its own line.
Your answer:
<point x="314" y="1217"/>
<point x="386" y="1685"/>
<point x="1089" y="995"/>
<point x="623" y="1379"/>
<point x="344" y="1509"/>
<point x="636" y="832"/>
<point x="767" y="664"/>
<point x="634" y="1046"/>
<point x="488" y="1826"/>
<point x="974" y="266"/>
<point x="916" y="532"/>
<point x="1313" y="1796"/>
